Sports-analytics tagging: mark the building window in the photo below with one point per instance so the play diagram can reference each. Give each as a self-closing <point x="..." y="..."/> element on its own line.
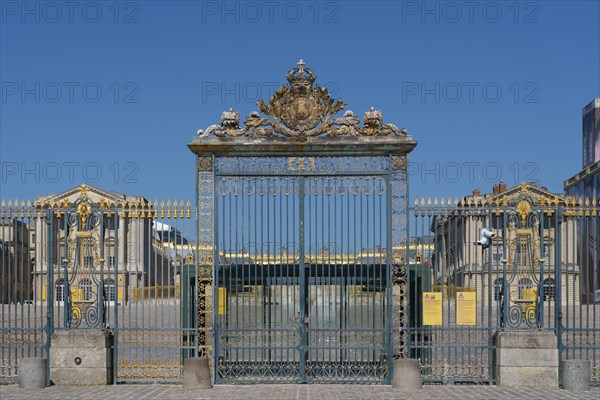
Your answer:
<point x="88" y="261"/>
<point x="418" y="258"/>
<point x="497" y="254"/>
<point x="524" y="285"/>
<point x="85" y="285"/>
<point x="60" y="290"/>
<point x="110" y="291"/>
<point x="112" y="262"/>
<point x="546" y="253"/>
<point x="498" y="288"/>
<point x="549" y="289"/>
<point x="110" y="224"/>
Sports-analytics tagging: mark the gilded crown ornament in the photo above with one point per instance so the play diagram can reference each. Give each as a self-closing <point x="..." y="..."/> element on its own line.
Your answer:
<point x="300" y="110"/>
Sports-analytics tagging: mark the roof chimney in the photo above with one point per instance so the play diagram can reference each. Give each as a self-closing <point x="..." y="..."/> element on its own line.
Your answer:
<point x="476" y="192"/>
<point x="502" y="187"/>
<point x="496" y="189"/>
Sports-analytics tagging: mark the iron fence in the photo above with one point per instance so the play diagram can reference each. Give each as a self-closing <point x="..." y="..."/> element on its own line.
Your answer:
<point x="537" y="269"/>
<point x="88" y="260"/>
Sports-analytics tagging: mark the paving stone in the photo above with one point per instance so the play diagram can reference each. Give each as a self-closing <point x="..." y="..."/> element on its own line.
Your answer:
<point x="285" y="392"/>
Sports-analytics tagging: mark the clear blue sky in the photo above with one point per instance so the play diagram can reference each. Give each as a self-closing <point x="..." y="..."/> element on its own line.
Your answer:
<point x="111" y="92"/>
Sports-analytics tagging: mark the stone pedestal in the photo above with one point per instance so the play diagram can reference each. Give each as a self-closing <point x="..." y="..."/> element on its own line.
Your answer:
<point x="81" y="357"/>
<point x="407" y="374"/>
<point x="525" y="358"/>
<point x="32" y="372"/>
<point x="196" y="373"/>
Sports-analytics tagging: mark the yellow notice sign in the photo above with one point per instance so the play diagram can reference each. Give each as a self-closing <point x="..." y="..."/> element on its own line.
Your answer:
<point x="432" y="308"/>
<point x="222" y="301"/>
<point x="466" y="308"/>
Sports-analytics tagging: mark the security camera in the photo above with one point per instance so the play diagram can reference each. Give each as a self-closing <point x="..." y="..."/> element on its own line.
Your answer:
<point x="485" y="238"/>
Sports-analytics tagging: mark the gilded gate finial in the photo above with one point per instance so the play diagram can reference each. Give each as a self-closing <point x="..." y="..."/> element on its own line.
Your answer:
<point x="523" y="208"/>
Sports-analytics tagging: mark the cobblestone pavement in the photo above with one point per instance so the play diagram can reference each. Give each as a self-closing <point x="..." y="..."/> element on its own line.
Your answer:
<point x="288" y="392"/>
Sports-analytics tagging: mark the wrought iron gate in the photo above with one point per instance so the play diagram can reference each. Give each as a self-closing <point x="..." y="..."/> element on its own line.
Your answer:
<point x="303" y="272"/>
<point x="303" y="218"/>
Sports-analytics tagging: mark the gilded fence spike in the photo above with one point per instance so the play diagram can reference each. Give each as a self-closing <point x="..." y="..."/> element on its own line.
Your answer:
<point x="149" y="209"/>
<point x="443" y="202"/>
<point x="455" y="202"/>
<point x="416" y="201"/>
<point x="9" y="204"/>
<point x="587" y="201"/>
<point x="155" y="213"/>
<point x="22" y="213"/>
<point x="422" y="201"/>
<point x="181" y="209"/>
<point x="435" y="201"/>
<point x="188" y="208"/>
<point x="168" y="208"/>
<point x="162" y="208"/>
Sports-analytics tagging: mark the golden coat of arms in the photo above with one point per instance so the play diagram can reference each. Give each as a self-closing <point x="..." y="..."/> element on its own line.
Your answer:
<point x="300" y="110"/>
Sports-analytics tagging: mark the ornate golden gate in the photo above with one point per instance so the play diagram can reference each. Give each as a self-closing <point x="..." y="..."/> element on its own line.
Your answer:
<point x="302" y="221"/>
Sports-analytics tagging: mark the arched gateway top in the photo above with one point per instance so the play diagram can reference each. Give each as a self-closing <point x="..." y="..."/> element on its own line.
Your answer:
<point x="301" y="117"/>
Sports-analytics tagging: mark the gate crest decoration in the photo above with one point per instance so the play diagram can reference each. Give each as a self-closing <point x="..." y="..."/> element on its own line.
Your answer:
<point x="301" y="228"/>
